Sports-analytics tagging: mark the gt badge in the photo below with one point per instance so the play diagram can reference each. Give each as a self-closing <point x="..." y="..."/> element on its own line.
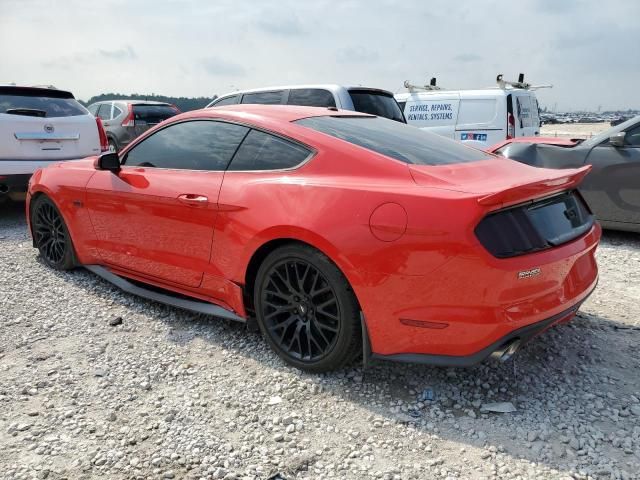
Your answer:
<point x="529" y="273"/>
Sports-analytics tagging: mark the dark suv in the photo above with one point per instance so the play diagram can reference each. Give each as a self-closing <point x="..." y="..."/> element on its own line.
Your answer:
<point x="124" y="120"/>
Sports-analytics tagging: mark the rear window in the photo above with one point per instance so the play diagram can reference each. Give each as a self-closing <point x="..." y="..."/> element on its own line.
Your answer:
<point x="153" y="113"/>
<point x="263" y="98"/>
<point x="39" y="103"/>
<point x="399" y="141"/>
<point x="311" y="97"/>
<point x="376" y="103"/>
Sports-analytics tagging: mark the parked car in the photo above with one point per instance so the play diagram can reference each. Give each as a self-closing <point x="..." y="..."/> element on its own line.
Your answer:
<point x="478" y="118"/>
<point x="345" y="234"/>
<point x="360" y="99"/>
<point x="124" y="120"/>
<point x="38" y="126"/>
<point x="612" y="189"/>
<point x="618" y="121"/>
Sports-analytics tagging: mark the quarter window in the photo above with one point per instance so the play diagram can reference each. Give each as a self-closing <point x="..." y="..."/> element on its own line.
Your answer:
<point x="232" y="100"/>
<point x="263" y="98"/>
<point x="311" y="97"/>
<point x="195" y="145"/>
<point x="262" y="151"/>
<point x="104" y="112"/>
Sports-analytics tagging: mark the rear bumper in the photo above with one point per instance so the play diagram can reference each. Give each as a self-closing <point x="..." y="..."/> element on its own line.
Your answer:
<point x="27" y="167"/>
<point x="470" y="305"/>
<point x="517" y="337"/>
<point x="10" y="184"/>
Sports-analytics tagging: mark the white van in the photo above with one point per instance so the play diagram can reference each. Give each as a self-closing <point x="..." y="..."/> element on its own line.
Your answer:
<point x="479" y="118"/>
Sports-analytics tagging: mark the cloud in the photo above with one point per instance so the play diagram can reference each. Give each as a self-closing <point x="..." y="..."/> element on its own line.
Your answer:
<point x="126" y="53"/>
<point x="467" y="58"/>
<point x="80" y="59"/>
<point x="356" y="54"/>
<point x="220" y="67"/>
<point x="288" y="27"/>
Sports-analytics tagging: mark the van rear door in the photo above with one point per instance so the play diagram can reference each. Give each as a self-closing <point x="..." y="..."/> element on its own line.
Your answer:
<point x="525" y="110"/>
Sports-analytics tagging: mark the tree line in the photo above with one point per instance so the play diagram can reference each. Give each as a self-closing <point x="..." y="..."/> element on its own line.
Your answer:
<point x="183" y="103"/>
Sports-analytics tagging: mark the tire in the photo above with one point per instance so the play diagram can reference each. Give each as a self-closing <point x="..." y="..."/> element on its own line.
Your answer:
<point x="307" y="310"/>
<point x="51" y="236"/>
<point x="113" y="146"/>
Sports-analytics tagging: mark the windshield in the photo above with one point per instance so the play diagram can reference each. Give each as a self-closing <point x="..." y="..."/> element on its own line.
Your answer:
<point x="376" y="103"/>
<point x="399" y="141"/>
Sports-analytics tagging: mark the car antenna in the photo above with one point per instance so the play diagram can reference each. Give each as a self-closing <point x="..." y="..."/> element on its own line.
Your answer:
<point x="504" y="84"/>
<point x="430" y="86"/>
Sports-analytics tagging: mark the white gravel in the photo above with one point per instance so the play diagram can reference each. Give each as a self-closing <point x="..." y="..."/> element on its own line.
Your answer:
<point x="169" y="394"/>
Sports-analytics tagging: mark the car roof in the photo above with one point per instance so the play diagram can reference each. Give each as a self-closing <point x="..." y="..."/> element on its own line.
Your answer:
<point x="258" y="113"/>
<point x="133" y="102"/>
<point x="49" y="91"/>
<point x="332" y="87"/>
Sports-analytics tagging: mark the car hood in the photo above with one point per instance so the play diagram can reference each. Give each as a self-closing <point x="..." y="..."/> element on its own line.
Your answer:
<point x="497" y="180"/>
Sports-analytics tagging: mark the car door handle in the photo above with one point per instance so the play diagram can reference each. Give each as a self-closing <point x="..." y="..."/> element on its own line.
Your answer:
<point x="193" y="199"/>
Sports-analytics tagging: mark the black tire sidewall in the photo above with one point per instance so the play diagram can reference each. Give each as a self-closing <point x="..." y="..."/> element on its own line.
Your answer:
<point x="68" y="261"/>
<point x="344" y="349"/>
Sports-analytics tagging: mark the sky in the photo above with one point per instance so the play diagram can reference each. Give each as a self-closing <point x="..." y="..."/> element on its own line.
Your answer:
<point x="588" y="49"/>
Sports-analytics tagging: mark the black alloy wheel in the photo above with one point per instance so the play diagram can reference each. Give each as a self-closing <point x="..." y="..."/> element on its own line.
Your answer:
<point x="51" y="235"/>
<point x="306" y="309"/>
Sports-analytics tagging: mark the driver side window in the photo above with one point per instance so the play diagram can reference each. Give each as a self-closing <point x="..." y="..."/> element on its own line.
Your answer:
<point x="632" y="137"/>
<point x="194" y="145"/>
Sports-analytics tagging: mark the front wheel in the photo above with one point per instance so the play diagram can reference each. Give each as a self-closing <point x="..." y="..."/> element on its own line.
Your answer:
<point x="51" y="235"/>
<point x="306" y="309"/>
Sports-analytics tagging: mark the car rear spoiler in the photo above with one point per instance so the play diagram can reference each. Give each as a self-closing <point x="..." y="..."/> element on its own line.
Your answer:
<point x="562" y="180"/>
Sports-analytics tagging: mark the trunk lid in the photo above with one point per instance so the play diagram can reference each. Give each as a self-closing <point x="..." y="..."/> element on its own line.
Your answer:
<point x="498" y="182"/>
<point x="29" y="137"/>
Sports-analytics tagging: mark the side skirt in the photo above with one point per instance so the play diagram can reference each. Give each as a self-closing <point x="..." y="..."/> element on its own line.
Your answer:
<point x="179" y="302"/>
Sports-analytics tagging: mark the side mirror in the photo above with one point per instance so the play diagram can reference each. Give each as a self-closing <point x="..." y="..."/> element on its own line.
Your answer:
<point x="109" y="161"/>
<point x="617" y="140"/>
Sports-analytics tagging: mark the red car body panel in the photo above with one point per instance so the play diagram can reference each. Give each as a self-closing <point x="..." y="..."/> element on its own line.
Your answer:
<point x="403" y="235"/>
<point x="563" y="142"/>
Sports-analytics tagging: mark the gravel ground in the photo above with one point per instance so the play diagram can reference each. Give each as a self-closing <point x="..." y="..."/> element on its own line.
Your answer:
<point x="96" y="383"/>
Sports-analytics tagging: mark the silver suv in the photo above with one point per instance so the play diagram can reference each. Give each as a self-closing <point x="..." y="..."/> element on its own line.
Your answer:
<point x="124" y="120"/>
<point x="360" y="99"/>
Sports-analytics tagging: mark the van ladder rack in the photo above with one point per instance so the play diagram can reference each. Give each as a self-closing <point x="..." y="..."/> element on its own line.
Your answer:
<point x="521" y="84"/>
<point x="431" y="86"/>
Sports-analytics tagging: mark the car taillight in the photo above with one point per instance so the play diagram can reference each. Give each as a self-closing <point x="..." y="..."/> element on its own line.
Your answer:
<point x="511" y="126"/>
<point x="104" y="143"/>
<point x="129" y="120"/>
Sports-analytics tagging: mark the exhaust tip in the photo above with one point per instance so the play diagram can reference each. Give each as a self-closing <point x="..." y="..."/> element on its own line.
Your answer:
<point x="4" y="188"/>
<point x="507" y="351"/>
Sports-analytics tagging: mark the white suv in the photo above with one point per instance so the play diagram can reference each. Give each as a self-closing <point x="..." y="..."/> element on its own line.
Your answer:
<point x="38" y="126"/>
<point x="360" y="99"/>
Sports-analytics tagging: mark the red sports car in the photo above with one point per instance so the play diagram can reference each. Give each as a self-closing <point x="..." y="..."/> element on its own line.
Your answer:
<point x="343" y="234"/>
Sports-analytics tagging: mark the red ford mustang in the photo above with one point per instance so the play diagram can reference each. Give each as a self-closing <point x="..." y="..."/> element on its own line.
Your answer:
<point x="343" y="234"/>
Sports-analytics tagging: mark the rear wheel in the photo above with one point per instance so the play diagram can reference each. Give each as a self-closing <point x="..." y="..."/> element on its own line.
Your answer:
<point x="306" y="309"/>
<point x="51" y="235"/>
<point x="113" y="146"/>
